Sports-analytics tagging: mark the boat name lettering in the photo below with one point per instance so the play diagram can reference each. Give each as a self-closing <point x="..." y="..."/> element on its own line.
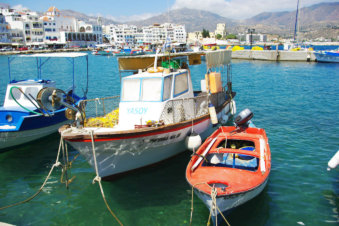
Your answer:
<point x="164" y="138"/>
<point x="139" y="111"/>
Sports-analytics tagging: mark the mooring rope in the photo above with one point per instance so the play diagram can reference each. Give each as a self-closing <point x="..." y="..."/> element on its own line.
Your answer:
<point x="98" y="179"/>
<point x="214" y="204"/>
<point x="56" y="164"/>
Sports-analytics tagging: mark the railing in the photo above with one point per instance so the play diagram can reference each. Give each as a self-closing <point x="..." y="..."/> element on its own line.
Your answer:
<point x="179" y="110"/>
<point x="101" y="112"/>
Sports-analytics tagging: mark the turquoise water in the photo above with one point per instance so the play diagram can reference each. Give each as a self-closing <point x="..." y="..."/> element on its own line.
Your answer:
<point x="296" y="103"/>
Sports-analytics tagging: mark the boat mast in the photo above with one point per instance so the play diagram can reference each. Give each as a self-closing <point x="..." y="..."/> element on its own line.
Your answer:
<point x="296" y="22"/>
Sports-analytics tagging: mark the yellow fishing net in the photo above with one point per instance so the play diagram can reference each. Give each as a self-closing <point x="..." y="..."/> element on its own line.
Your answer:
<point x="109" y="120"/>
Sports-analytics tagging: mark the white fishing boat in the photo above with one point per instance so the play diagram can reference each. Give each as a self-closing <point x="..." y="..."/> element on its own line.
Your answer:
<point x="155" y="113"/>
<point x="22" y="117"/>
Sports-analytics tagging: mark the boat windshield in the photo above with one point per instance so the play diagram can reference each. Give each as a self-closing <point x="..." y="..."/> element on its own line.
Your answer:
<point x="146" y="89"/>
<point x="151" y="89"/>
<point x="232" y="160"/>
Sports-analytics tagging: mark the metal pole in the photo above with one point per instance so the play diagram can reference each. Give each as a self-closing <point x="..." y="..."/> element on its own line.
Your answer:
<point x="73" y="78"/>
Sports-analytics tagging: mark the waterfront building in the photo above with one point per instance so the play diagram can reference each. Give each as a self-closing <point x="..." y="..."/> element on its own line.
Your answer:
<point x="4" y="31"/>
<point x="15" y="26"/>
<point x="221" y="30"/>
<point x="56" y="25"/>
<point x="121" y="34"/>
<point x="25" y="28"/>
<point x="130" y="35"/>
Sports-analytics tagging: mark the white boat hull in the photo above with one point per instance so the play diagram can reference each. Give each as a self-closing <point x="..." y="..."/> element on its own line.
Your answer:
<point x="229" y="202"/>
<point x="10" y="139"/>
<point x="122" y="155"/>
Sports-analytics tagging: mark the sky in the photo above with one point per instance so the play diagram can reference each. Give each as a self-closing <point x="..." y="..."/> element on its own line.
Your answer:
<point x="127" y="10"/>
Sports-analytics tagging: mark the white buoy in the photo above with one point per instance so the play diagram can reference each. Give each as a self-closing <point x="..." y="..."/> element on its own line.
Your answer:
<point x="213" y="114"/>
<point x="334" y="161"/>
<point x="233" y="107"/>
<point x="193" y="141"/>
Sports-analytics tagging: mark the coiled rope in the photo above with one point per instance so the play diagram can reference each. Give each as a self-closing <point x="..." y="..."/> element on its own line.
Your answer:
<point x="215" y="207"/>
<point x="98" y="179"/>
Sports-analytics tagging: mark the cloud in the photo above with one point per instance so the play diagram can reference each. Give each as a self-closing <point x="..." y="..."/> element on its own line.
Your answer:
<point x="242" y="9"/>
<point x="133" y="17"/>
<point x="19" y="7"/>
<point x="126" y="18"/>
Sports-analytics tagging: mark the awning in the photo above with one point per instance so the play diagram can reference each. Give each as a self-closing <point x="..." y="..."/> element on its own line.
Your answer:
<point x="218" y="58"/>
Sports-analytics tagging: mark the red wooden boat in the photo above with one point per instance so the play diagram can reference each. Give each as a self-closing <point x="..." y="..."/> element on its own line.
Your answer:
<point x="231" y="167"/>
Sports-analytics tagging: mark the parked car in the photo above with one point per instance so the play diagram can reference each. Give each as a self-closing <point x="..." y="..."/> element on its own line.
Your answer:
<point x="23" y="48"/>
<point x="6" y="48"/>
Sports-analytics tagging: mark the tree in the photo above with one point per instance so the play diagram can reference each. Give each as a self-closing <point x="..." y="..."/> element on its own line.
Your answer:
<point x="231" y="36"/>
<point x="205" y="33"/>
<point x="219" y="36"/>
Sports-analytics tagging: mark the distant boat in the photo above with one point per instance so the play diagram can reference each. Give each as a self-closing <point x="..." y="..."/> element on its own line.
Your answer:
<point x="22" y="117"/>
<point x="156" y="112"/>
<point x="231" y="167"/>
<point x="327" y="56"/>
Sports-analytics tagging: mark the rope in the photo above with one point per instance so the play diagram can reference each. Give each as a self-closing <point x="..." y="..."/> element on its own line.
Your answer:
<point x="56" y="164"/>
<point x="192" y="200"/>
<point x="214" y="194"/>
<point x="98" y="179"/>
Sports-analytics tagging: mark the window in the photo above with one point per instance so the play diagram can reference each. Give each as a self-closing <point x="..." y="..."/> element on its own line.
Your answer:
<point x="16" y="93"/>
<point x="130" y="90"/>
<point x="32" y="90"/>
<point x="180" y="84"/>
<point x="151" y="89"/>
<point x="167" y="88"/>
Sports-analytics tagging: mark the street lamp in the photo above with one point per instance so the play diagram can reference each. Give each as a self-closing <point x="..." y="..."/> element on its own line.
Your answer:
<point x="251" y="31"/>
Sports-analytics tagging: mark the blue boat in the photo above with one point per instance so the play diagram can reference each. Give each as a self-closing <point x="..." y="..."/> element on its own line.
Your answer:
<point x="327" y="56"/>
<point x="35" y="108"/>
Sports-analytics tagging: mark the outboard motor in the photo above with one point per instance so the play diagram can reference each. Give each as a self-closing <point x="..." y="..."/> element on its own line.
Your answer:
<point x="242" y="119"/>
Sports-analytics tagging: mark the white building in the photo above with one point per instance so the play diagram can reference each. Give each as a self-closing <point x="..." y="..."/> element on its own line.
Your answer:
<point x="221" y="30"/>
<point x="54" y="24"/>
<point x="4" y="30"/>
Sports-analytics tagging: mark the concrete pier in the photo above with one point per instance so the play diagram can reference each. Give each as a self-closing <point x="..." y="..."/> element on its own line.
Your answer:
<point x="274" y="55"/>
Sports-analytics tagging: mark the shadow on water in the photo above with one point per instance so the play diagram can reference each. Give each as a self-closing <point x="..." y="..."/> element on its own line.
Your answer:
<point x="29" y="158"/>
<point x="152" y="185"/>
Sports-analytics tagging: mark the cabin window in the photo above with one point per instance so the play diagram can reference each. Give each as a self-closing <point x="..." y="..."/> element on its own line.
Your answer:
<point x="16" y="94"/>
<point x="32" y="90"/>
<point x="151" y="89"/>
<point x="131" y="90"/>
<point x="180" y="84"/>
<point x="167" y="87"/>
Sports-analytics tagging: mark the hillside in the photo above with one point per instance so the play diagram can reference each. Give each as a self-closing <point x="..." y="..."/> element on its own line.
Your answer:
<point x="320" y="20"/>
<point x="194" y="20"/>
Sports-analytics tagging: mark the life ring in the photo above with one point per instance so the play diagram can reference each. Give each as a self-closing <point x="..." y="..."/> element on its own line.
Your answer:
<point x="152" y="70"/>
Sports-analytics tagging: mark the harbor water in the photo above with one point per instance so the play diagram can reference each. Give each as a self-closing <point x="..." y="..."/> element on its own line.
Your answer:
<point x="297" y="103"/>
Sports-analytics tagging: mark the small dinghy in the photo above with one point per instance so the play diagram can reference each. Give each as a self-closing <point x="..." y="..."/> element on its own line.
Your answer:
<point x="231" y="167"/>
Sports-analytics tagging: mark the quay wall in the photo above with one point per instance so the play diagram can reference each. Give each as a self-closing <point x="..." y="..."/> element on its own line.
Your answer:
<point x="274" y="55"/>
<point x="45" y="51"/>
<point x="269" y="55"/>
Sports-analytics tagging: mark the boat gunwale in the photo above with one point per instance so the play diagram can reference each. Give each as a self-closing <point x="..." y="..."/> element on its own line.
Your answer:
<point x="231" y="195"/>
<point x="140" y="132"/>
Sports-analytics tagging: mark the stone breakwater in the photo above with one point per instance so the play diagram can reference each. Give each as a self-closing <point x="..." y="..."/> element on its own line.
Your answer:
<point x="269" y="55"/>
<point x="274" y="55"/>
